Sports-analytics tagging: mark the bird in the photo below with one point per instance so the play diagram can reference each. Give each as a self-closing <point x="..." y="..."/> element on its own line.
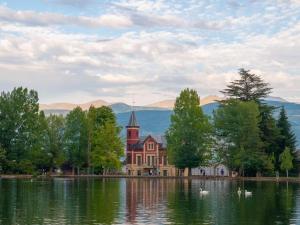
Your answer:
<point x="248" y="193"/>
<point x="239" y="192"/>
<point x="202" y="192"/>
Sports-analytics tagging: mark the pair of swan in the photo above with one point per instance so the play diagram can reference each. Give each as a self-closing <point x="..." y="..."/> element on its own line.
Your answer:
<point x="247" y="193"/>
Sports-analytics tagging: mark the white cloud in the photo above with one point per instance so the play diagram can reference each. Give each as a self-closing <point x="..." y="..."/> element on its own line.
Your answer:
<point x="147" y="63"/>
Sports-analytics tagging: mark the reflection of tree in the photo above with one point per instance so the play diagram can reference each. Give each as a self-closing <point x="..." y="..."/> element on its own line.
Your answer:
<point x="271" y="204"/>
<point x="59" y="201"/>
<point x="186" y="206"/>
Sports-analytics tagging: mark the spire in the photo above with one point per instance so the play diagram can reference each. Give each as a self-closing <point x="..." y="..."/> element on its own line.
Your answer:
<point x="132" y="120"/>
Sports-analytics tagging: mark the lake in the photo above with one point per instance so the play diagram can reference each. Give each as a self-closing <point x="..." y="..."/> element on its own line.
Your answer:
<point x="146" y="201"/>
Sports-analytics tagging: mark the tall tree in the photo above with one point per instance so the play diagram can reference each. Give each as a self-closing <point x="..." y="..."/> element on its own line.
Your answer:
<point x="19" y="111"/>
<point x="103" y="138"/>
<point x="108" y="148"/>
<point x="250" y="87"/>
<point x="287" y="137"/>
<point x="76" y="138"/>
<point x="55" y="141"/>
<point x="286" y="160"/>
<point x="188" y="136"/>
<point x="236" y="128"/>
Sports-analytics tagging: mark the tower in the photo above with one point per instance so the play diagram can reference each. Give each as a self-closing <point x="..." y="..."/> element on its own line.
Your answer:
<point x="132" y="131"/>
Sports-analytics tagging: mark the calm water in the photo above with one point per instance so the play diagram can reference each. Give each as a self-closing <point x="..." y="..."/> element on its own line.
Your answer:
<point x="146" y="201"/>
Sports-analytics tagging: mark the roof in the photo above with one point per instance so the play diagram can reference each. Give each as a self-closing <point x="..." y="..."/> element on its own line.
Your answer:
<point x="161" y="140"/>
<point x="132" y="120"/>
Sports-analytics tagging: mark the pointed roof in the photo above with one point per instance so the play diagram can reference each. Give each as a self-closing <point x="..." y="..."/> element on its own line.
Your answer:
<point x="132" y="120"/>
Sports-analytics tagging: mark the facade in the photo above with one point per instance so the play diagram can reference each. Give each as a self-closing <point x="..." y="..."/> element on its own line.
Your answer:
<point x="146" y="155"/>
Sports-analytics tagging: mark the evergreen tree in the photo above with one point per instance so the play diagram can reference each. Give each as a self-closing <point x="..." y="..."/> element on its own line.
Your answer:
<point x="188" y="136"/>
<point x="250" y="87"/>
<point x="287" y="137"/>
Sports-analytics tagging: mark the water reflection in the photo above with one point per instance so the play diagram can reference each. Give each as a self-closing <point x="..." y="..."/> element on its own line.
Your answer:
<point x="147" y="201"/>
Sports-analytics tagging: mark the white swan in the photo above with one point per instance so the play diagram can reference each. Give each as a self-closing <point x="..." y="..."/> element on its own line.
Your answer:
<point x="239" y="192"/>
<point x="248" y="193"/>
<point x="202" y="192"/>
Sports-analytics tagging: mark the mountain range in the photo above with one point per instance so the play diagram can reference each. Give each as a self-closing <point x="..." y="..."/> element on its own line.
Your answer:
<point x="155" y="118"/>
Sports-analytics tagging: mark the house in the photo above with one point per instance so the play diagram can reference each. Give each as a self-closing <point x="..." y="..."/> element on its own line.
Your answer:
<point x="146" y="155"/>
<point x="211" y="170"/>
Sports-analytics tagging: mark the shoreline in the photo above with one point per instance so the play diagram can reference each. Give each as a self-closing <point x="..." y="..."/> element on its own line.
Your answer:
<point x="270" y="179"/>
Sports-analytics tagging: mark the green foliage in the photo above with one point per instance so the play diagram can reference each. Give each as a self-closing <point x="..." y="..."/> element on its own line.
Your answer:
<point x="55" y="140"/>
<point x="105" y="144"/>
<point x="287" y="137"/>
<point x="250" y="87"/>
<point x="188" y="136"/>
<point x="107" y="148"/>
<point x="236" y="128"/>
<point x="18" y="116"/>
<point x="286" y="160"/>
<point x="76" y="138"/>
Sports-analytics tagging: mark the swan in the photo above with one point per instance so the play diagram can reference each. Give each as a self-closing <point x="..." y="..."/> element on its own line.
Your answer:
<point x="202" y="192"/>
<point x="248" y="193"/>
<point x="239" y="191"/>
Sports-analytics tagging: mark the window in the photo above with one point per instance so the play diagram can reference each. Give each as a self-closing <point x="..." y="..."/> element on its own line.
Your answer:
<point x="153" y="161"/>
<point x="129" y="133"/>
<point x="139" y="160"/>
<point x="139" y="173"/>
<point x="164" y="160"/>
<point x="151" y="146"/>
<point x="148" y="161"/>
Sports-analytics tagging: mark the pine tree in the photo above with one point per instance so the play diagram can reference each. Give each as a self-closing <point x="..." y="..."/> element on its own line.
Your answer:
<point x="287" y="137"/>
<point x="250" y="87"/>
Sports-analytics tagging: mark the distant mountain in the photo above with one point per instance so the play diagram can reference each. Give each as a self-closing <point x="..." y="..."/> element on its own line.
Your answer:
<point x="277" y="99"/>
<point x="70" y="106"/>
<point x="158" y="121"/>
<point x="169" y="104"/>
<point x="155" y="120"/>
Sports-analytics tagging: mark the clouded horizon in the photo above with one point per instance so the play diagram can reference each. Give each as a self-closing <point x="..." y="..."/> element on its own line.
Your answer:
<point x="146" y="50"/>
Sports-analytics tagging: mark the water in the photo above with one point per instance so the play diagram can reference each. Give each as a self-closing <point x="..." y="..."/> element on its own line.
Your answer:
<point x="147" y="201"/>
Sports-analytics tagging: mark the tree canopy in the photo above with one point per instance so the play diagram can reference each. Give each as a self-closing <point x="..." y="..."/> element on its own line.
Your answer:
<point x="188" y="136"/>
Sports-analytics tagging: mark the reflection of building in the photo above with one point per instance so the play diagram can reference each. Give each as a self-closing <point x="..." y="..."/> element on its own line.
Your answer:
<point x="146" y="155"/>
<point x="147" y="195"/>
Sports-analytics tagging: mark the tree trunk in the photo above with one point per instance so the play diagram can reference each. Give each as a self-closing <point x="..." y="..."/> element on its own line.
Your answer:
<point x="287" y="173"/>
<point x="78" y="171"/>
<point x="73" y="171"/>
<point x="189" y="171"/>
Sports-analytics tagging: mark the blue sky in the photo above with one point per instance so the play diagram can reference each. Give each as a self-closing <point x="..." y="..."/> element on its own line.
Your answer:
<point x="80" y="50"/>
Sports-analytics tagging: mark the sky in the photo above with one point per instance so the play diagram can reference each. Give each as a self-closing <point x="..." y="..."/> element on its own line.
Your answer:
<point x="146" y="50"/>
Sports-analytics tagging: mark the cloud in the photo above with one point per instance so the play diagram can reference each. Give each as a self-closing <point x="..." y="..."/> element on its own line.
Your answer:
<point x="33" y="18"/>
<point x="162" y="52"/>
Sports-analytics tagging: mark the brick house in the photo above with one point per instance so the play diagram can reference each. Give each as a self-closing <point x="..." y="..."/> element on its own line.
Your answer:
<point x="146" y="155"/>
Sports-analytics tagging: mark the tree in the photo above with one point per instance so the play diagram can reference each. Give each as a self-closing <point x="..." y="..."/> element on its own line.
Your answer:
<point x="286" y="161"/>
<point x="188" y="136"/>
<point x="55" y="140"/>
<point x="236" y="127"/>
<point x="287" y="136"/>
<point x="108" y="148"/>
<point x="96" y="118"/>
<point x="250" y="87"/>
<point x="104" y="143"/>
<point x="2" y="158"/>
<point x="76" y="138"/>
<point x="19" y="112"/>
